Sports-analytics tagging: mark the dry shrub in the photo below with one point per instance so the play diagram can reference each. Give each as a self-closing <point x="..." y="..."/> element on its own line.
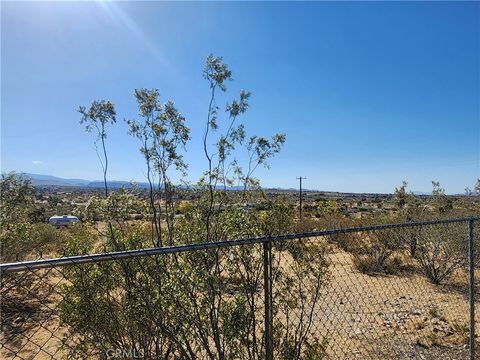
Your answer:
<point x="441" y="250"/>
<point x="370" y="265"/>
<point x="373" y="252"/>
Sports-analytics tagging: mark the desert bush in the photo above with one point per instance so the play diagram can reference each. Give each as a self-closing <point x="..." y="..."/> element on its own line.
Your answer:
<point x="219" y="293"/>
<point x="278" y="219"/>
<point x="22" y="234"/>
<point x="365" y="264"/>
<point x="197" y="304"/>
<point x="373" y="252"/>
<point x="440" y="201"/>
<point x="370" y="265"/>
<point x="183" y="208"/>
<point x="441" y="250"/>
<point x="17" y="201"/>
<point x="22" y="238"/>
<point x="300" y="273"/>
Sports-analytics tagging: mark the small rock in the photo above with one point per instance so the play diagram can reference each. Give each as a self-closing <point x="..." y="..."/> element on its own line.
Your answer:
<point x="436" y="328"/>
<point x="424" y="342"/>
<point x="415" y="312"/>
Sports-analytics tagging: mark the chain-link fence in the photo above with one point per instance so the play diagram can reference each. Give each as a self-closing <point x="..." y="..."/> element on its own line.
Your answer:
<point x="396" y="291"/>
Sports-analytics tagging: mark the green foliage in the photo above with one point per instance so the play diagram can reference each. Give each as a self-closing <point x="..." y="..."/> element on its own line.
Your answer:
<point x="401" y="195"/>
<point x="469" y="204"/>
<point x="216" y="72"/>
<point x="96" y="118"/>
<point x="21" y="234"/>
<point x="279" y="219"/>
<point x="184" y="208"/>
<point x="118" y="206"/>
<point x="136" y="301"/>
<point x="197" y="304"/>
<point x="411" y="208"/>
<point x="161" y="131"/>
<point x="370" y="265"/>
<point x="17" y="198"/>
<point x="327" y="208"/>
<point x="441" y="202"/>
<point x="223" y="166"/>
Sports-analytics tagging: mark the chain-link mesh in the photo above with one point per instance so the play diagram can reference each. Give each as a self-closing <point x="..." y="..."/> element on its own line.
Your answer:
<point x="378" y="292"/>
<point x="395" y="293"/>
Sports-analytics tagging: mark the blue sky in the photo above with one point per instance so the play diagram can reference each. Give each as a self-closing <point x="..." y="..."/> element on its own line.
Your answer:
<point x="369" y="94"/>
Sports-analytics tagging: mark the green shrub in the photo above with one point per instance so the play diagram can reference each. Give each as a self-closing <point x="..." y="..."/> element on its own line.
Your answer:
<point x="219" y="292"/>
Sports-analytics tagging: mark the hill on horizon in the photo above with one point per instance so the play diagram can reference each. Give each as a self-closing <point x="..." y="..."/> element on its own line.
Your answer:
<point x="50" y="180"/>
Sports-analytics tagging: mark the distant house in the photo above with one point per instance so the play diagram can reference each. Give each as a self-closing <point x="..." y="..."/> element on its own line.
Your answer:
<point x="249" y="205"/>
<point x="63" y="220"/>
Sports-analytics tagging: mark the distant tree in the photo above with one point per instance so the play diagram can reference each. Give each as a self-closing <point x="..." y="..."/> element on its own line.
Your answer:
<point x="471" y="201"/>
<point x="401" y="195"/>
<point x="327" y="207"/>
<point x="437" y="189"/>
<point x="411" y="209"/>
<point x="466" y="203"/>
<point x="477" y="195"/>
<point x="441" y="202"/>
<point x="96" y="118"/>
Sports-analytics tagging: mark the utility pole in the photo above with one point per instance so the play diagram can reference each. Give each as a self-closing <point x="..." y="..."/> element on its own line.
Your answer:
<point x="301" y="178"/>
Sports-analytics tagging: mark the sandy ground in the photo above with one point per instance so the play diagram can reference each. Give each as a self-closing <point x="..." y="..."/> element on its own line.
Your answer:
<point x="401" y="317"/>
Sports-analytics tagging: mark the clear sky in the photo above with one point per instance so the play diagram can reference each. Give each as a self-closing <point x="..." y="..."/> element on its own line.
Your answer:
<point x="369" y="94"/>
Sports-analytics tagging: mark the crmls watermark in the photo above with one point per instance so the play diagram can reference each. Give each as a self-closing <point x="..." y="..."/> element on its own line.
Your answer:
<point x="125" y="354"/>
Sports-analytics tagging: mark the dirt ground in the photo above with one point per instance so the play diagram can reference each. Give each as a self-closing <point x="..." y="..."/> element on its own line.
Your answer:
<point x="392" y="316"/>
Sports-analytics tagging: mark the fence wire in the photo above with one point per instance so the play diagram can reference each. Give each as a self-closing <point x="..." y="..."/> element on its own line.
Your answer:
<point x="391" y="291"/>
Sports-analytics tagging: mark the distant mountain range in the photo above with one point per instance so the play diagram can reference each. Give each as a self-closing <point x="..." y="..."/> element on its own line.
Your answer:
<point x="49" y="180"/>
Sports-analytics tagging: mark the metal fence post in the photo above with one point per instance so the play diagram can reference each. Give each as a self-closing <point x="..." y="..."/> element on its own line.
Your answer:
<point x="471" y="292"/>
<point x="267" y="285"/>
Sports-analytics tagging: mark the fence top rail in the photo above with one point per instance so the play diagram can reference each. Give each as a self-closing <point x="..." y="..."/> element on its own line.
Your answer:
<point x="118" y="255"/>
